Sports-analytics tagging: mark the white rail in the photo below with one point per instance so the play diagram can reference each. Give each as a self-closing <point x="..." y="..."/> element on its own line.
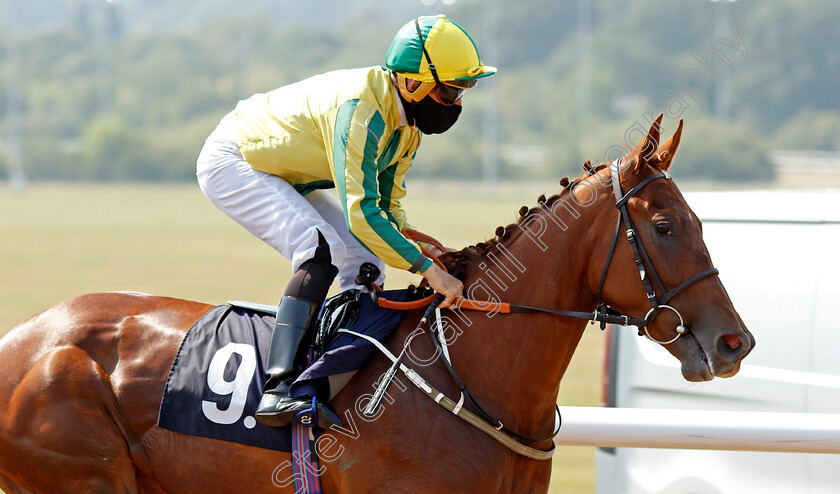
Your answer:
<point x="700" y="429"/>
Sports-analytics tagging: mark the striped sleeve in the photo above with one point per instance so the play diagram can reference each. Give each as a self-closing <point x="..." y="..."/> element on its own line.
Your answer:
<point x="392" y="190"/>
<point x="358" y="148"/>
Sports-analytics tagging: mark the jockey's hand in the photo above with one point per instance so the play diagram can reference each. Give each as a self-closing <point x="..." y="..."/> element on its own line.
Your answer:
<point x="444" y="283"/>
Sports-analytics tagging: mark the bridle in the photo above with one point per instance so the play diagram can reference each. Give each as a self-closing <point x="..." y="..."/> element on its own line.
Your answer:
<point x="603" y="313"/>
<point x="647" y="272"/>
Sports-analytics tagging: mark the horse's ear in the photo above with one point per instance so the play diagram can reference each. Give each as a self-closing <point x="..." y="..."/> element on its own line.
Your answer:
<point x="665" y="154"/>
<point x="647" y="149"/>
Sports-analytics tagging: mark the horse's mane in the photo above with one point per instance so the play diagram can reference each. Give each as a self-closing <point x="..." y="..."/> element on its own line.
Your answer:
<point x="459" y="262"/>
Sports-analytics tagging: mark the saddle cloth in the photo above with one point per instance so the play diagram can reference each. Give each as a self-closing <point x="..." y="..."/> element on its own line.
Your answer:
<point x="217" y="378"/>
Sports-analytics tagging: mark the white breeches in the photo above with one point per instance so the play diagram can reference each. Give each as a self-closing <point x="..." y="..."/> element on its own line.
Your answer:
<point x="270" y="208"/>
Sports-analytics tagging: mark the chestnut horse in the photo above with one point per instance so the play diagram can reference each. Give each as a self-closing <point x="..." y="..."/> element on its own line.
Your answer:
<point x="83" y="380"/>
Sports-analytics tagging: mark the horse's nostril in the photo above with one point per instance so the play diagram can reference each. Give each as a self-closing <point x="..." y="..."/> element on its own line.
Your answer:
<point x="732" y="347"/>
<point x="732" y="340"/>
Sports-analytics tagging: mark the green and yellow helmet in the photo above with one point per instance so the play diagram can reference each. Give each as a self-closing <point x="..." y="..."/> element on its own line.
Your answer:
<point x="434" y="49"/>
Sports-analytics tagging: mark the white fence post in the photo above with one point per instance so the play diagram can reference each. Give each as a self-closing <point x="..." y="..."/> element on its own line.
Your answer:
<point x="700" y="429"/>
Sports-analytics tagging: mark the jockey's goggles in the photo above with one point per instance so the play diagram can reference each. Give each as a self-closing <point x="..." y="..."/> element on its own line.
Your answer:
<point x="448" y="91"/>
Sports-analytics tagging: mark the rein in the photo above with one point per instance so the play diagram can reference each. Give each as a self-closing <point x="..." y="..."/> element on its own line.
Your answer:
<point x="602" y="314"/>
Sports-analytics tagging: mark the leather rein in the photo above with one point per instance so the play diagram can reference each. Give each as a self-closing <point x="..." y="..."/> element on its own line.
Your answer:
<point x="602" y="314"/>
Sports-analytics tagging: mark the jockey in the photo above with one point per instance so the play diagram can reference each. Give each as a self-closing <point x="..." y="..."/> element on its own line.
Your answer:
<point x="269" y="162"/>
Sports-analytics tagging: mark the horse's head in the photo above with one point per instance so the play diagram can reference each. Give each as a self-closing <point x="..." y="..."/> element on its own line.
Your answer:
<point x="676" y="263"/>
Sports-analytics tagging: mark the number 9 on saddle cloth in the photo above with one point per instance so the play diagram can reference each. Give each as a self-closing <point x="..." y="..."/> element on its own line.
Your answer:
<point x="217" y="378"/>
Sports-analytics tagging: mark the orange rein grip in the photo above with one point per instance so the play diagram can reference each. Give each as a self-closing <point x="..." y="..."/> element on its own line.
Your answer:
<point x="415" y="304"/>
<point x="460" y="302"/>
<point x="422" y="237"/>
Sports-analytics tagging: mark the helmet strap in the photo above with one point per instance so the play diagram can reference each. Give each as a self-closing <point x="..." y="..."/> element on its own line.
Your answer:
<point x="431" y="65"/>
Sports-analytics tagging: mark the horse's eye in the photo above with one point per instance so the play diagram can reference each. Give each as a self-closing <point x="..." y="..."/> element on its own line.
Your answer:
<point x="663" y="228"/>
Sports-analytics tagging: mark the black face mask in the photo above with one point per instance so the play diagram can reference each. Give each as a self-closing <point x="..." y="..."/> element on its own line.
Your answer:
<point x="430" y="116"/>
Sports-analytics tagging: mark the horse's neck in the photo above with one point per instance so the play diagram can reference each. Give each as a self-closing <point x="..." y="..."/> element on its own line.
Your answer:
<point x="543" y="262"/>
<point x="518" y="359"/>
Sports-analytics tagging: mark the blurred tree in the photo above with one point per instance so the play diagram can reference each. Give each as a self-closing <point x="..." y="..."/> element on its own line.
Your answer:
<point x="796" y="61"/>
<point x="714" y="150"/>
<point x="810" y="129"/>
<point x="173" y="78"/>
<point x="115" y="151"/>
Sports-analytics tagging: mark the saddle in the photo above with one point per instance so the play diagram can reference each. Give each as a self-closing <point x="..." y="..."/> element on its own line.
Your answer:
<point x="342" y="310"/>
<point x="339" y="311"/>
<point x="218" y="375"/>
<point x="333" y="352"/>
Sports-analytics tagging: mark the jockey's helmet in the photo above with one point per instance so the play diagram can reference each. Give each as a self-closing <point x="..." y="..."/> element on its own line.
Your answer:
<point x="435" y="50"/>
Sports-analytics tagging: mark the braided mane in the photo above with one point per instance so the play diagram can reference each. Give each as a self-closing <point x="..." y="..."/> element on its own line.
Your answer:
<point x="459" y="262"/>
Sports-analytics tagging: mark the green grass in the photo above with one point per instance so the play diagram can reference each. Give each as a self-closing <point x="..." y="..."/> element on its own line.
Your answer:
<point x="57" y="241"/>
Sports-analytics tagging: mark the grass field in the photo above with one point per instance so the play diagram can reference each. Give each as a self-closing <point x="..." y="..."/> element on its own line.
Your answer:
<point x="57" y="241"/>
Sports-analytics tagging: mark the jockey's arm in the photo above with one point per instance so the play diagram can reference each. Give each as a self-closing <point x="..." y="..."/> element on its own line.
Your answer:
<point x="358" y="139"/>
<point x="372" y="209"/>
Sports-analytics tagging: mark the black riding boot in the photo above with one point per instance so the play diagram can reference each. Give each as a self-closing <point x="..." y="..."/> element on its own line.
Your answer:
<point x="276" y="408"/>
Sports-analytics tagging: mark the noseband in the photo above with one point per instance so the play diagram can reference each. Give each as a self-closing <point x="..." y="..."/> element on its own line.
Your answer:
<point x="647" y="272"/>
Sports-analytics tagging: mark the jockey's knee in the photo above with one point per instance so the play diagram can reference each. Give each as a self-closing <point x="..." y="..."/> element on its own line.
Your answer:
<point x="313" y="278"/>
